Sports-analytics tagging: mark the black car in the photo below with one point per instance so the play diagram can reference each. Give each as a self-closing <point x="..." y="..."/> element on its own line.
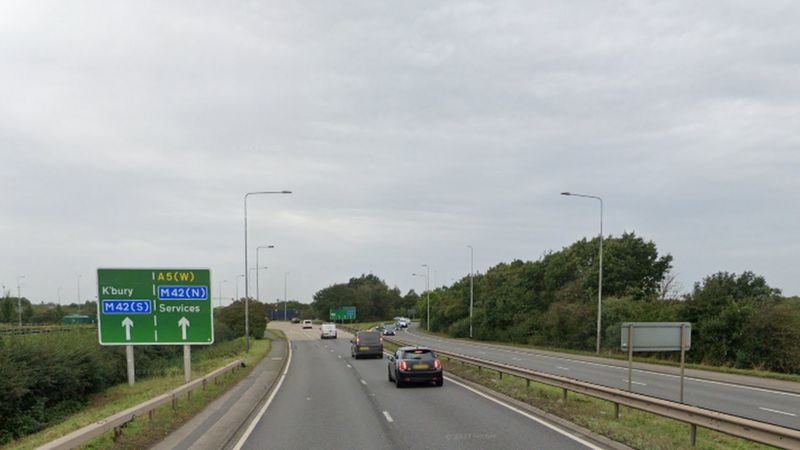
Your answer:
<point x="367" y="343"/>
<point x="415" y="365"/>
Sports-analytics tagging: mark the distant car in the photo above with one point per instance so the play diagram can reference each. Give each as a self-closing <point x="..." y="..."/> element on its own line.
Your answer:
<point x="307" y="324"/>
<point x="295" y="320"/>
<point x="402" y="322"/>
<point x="367" y="343"/>
<point x="388" y="331"/>
<point x="327" y="330"/>
<point x="415" y="365"/>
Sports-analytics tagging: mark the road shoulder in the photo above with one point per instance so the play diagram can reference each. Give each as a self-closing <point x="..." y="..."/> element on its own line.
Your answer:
<point x="218" y="425"/>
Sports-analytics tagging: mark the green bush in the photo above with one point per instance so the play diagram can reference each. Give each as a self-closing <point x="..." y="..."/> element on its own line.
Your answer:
<point x="232" y="317"/>
<point x="45" y="377"/>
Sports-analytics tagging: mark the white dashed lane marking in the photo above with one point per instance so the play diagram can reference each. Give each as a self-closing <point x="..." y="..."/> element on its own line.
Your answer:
<point x="777" y="412"/>
<point x="388" y="417"/>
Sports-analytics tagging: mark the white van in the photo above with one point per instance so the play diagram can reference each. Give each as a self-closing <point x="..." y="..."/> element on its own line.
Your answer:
<point x="328" y="331"/>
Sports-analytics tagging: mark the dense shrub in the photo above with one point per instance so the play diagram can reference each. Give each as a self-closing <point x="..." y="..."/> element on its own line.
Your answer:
<point x="46" y="377"/>
<point x="231" y="319"/>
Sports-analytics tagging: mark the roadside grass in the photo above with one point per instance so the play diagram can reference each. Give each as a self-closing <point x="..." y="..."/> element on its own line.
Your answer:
<point x="624" y="357"/>
<point x="634" y="428"/>
<point x="143" y="432"/>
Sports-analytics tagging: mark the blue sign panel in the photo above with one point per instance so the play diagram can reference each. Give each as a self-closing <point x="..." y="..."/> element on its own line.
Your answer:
<point x="127" y="307"/>
<point x="182" y="292"/>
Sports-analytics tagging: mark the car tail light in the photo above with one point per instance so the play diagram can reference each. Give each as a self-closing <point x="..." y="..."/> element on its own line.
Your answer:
<point x="437" y="364"/>
<point x="381" y="340"/>
<point x="358" y="340"/>
<point x="403" y="365"/>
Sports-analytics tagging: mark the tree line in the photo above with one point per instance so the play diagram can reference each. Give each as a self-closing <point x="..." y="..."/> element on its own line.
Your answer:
<point x="738" y="320"/>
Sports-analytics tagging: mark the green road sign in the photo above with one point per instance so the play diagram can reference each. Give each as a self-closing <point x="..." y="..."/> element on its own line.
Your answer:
<point x="154" y="307"/>
<point x="343" y="313"/>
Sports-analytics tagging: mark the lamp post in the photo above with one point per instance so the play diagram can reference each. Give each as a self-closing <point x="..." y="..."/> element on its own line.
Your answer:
<point x="600" y="272"/>
<point x="471" y="292"/>
<point x="285" y="299"/>
<point x="258" y="283"/>
<point x="256" y="269"/>
<point x="220" y="291"/>
<point x="427" y="289"/>
<point x="246" y="288"/>
<point x="237" y="286"/>
<point x="19" y="300"/>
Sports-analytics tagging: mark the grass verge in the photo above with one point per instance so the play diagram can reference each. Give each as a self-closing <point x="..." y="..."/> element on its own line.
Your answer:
<point x="142" y="433"/>
<point x="634" y="428"/>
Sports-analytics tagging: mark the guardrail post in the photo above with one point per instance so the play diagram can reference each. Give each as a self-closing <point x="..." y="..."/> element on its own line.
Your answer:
<point x="150" y="414"/>
<point x="189" y="396"/>
<point x="616" y="410"/>
<point x="501" y="374"/>
<point x="693" y="435"/>
<point x="527" y="383"/>
<point x="117" y="433"/>
<point x="174" y="402"/>
<point x="565" y="394"/>
<point x="205" y="382"/>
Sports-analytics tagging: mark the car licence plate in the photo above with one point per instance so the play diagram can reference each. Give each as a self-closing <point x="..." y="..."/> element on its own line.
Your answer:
<point x="363" y="349"/>
<point x="420" y="366"/>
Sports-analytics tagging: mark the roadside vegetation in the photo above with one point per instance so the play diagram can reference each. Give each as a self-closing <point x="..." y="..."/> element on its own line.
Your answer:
<point x="739" y="322"/>
<point x="45" y="378"/>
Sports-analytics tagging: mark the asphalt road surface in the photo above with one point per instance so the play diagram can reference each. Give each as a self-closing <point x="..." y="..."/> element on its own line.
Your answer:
<point x="329" y="400"/>
<point x="772" y="406"/>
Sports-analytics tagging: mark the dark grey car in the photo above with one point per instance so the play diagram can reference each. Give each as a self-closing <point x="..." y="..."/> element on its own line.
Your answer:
<point x="367" y="343"/>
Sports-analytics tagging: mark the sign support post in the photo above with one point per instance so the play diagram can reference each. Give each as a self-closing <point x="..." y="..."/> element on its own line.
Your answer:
<point x="657" y="337"/>
<point x="630" y="356"/>
<point x="683" y="356"/>
<point x="187" y="363"/>
<point x="131" y="368"/>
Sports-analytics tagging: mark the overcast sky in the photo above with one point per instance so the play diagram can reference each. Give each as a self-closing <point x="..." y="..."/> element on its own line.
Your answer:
<point x="130" y="132"/>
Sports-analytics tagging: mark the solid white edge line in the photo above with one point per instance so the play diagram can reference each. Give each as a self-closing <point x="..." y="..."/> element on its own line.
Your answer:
<point x="260" y="414"/>
<point x="777" y="412"/>
<point x="388" y="417"/>
<point x="529" y="416"/>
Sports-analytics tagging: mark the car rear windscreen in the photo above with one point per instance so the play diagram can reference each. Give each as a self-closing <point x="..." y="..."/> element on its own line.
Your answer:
<point x="370" y="337"/>
<point x="420" y="354"/>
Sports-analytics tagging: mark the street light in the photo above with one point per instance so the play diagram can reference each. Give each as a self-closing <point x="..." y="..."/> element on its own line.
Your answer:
<point x="246" y="287"/>
<point x="285" y="299"/>
<point x="220" y="292"/>
<point x="600" y="274"/>
<point x="237" y="286"/>
<point x="256" y="269"/>
<point x="19" y="300"/>
<point x="258" y="283"/>
<point x="427" y="289"/>
<point x="471" y="254"/>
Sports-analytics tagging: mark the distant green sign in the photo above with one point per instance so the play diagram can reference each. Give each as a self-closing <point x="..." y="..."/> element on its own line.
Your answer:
<point x="154" y="307"/>
<point x="343" y="313"/>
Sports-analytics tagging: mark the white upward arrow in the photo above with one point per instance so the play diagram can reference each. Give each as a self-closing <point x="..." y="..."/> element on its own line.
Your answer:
<point x="127" y="323"/>
<point x="183" y="323"/>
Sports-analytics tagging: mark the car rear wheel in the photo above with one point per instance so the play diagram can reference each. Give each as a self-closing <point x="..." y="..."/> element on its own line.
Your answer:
<point x="389" y="371"/>
<point x="398" y="383"/>
<point x="440" y="382"/>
